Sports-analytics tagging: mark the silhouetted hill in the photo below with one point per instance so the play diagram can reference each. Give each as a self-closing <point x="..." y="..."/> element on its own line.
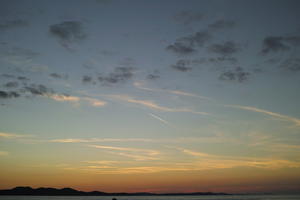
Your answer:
<point x="71" y="192"/>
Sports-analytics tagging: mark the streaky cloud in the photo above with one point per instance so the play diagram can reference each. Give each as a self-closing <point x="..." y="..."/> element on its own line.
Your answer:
<point x="294" y="120"/>
<point x="151" y="104"/>
<point x="141" y="86"/>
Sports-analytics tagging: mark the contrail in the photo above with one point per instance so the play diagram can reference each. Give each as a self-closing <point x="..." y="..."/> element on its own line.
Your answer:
<point x="159" y="119"/>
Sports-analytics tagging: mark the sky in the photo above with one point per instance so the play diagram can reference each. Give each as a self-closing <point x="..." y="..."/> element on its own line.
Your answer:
<point x="152" y="96"/>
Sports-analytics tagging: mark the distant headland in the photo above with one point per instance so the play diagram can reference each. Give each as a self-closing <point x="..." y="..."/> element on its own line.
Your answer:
<point x="72" y="192"/>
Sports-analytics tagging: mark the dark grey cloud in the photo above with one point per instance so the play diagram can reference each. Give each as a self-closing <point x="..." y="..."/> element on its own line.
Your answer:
<point x="182" y="65"/>
<point x="222" y="24"/>
<point x="68" y="32"/>
<point x="38" y="89"/>
<point x="226" y="49"/>
<point x="11" y="84"/>
<point x="187" y="45"/>
<point x="274" y="44"/>
<point x="58" y="76"/>
<point x="23" y="78"/>
<point x="291" y="64"/>
<point x="87" y="79"/>
<point x="5" y="25"/>
<point x="153" y="76"/>
<point x="181" y="48"/>
<point x="120" y="74"/>
<point x="293" y="40"/>
<point x="187" y="17"/>
<point x="9" y="76"/>
<point x="237" y="74"/>
<point x="8" y="94"/>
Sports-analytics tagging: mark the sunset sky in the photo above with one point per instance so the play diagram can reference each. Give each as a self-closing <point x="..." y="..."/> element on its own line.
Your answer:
<point x="149" y="95"/>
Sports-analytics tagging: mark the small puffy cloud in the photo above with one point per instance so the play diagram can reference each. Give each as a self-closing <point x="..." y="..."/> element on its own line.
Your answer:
<point x="153" y="76"/>
<point x="87" y="79"/>
<point x="23" y="78"/>
<point x="8" y="94"/>
<point x="181" y="48"/>
<point x="11" y="84"/>
<point x="236" y="74"/>
<point x="64" y="97"/>
<point x="182" y="65"/>
<point x="187" y="45"/>
<point x="68" y="32"/>
<point x="95" y="102"/>
<point x="226" y="49"/>
<point x="38" y="89"/>
<point x="274" y="44"/>
<point x="120" y="74"/>
<point x="58" y="76"/>
<point x="291" y="64"/>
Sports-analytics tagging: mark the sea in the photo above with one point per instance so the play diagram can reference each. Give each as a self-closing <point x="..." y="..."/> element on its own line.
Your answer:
<point x="210" y="197"/>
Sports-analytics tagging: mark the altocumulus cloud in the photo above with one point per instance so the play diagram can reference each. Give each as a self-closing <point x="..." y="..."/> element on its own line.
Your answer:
<point x="68" y="32"/>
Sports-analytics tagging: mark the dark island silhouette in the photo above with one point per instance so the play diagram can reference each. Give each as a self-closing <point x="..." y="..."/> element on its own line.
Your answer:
<point x="72" y="192"/>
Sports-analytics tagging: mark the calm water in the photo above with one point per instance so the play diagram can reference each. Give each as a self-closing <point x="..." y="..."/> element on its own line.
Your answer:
<point x="221" y="197"/>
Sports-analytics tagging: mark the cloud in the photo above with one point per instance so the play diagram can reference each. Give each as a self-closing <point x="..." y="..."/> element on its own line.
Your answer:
<point x="68" y="32"/>
<point x="226" y="49"/>
<point x="58" y="76"/>
<point x="63" y="97"/>
<point x="182" y="65"/>
<point x="120" y="74"/>
<point x="153" y="105"/>
<point x="291" y="64"/>
<point x="187" y="45"/>
<point x="92" y="140"/>
<point x="135" y="153"/>
<point x="187" y="17"/>
<point x="159" y="119"/>
<point x="38" y="89"/>
<point x="215" y="161"/>
<point x="294" y="120"/>
<point x="10" y="24"/>
<point x="293" y="40"/>
<point x="274" y="44"/>
<point x="153" y="76"/>
<point x="8" y="94"/>
<point x="23" y="78"/>
<point x="9" y="76"/>
<point x="87" y="79"/>
<point x="181" y="48"/>
<point x="12" y="136"/>
<point x="222" y="24"/>
<point x="236" y="74"/>
<point x="177" y="92"/>
<point x="11" y="84"/>
<point x="95" y="102"/>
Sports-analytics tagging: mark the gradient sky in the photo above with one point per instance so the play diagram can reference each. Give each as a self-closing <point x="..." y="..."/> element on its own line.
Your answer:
<point x="159" y="96"/>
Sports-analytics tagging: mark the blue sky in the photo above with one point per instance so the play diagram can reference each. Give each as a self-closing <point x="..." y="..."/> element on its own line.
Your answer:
<point x="150" y="87"/>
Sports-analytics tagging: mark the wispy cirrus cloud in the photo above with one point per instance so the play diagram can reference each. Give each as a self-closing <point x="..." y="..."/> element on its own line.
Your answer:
<point x="159" y="119"/>
<point x="294" y="120"/>
<point x="151" y="104"/>
<point x="12" y="135"/>
<point x="216" y="161"/>
<point x="141" y="86"/>
<point x="134" y="153"/>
